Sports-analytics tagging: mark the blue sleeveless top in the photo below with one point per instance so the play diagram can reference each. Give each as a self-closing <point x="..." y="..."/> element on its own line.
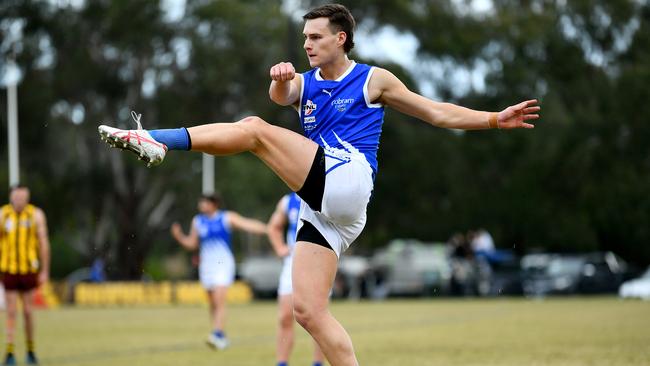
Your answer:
<point x="293" y="215"/>
<point x="338" y="114"/>
<point x="213" y="231"/>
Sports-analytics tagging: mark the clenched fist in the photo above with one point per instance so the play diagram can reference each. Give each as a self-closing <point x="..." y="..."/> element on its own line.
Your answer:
<point x="284" y="71"/>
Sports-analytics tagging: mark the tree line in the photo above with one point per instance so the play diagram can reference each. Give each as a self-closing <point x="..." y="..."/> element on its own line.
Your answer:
<point x="577" y="182"/>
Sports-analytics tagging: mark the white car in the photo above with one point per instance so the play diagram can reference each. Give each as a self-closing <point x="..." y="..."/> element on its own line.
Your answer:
<point x="636" y="288"/>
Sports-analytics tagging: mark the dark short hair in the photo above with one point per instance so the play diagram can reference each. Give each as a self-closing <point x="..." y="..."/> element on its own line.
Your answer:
<point x="341" y="20"/>
<point x="214" y="198"/>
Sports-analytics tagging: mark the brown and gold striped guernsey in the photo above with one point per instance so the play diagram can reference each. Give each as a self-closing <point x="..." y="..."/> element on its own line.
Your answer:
<point x="19" y="250"/>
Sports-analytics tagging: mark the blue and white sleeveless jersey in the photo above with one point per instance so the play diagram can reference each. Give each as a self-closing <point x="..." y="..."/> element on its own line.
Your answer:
<point x="214" y="234"/>
<point x="337" y="114"/>
<point x="293" y="215"/>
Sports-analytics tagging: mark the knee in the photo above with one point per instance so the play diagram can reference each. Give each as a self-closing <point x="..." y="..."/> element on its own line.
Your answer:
<point x="253" y="123"/>
<point x="11" y="312"/>
<point x="286" y="319"/>
<point x="254" y="127"/>
<point x="302" y="315"/>
<point x="306" y="316"/>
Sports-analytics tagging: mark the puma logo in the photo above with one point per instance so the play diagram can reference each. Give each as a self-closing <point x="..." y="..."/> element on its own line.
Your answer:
<point x="328" y="92"/>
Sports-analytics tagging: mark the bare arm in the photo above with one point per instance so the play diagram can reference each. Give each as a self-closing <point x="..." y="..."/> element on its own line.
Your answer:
<point x="43" y="246"/>
<point x="191" y="241"/>
<point x="245" y="224"/>
<point x="285" y="86"/>
<point x="386" y="88"/>
<point x="276" y="226"/>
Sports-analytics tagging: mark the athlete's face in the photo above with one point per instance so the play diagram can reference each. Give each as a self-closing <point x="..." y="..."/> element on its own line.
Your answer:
<point x="19" y="198"/>
<point x="321" y="43"/>
<point x="207" y="207"/>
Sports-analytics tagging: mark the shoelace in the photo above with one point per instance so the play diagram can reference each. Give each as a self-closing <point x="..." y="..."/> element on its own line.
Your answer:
<point x="136" y="118"/>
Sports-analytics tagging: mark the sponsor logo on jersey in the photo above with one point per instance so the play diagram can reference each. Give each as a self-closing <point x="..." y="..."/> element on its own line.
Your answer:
<point x="311" y="119"/>
<point x="309" y="107"/>
<point x="328" y="92"/>
<point x="341" y="104"/>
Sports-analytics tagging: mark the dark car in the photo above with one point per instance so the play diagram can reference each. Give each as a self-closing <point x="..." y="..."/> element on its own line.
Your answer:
<point x="552" y="273"/>
<point x="505" y="276"/>
<point x="602" y="272"/>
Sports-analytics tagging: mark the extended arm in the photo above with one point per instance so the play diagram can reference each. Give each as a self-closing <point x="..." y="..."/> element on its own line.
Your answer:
<point x="191" y="241"/>
<point x="276" y="226"/>
<point x="285" y="86"/>
<point x="386" y="88"/>
<point x="43" y="246"/>
<point x="245" y="224"/>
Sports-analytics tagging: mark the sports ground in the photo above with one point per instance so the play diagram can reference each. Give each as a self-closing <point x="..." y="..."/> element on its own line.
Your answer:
<point x="508" y="332"/>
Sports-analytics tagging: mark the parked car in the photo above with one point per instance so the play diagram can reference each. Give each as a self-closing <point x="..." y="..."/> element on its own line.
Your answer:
<point x="262" y="273"/>
<point x="602" y="272"/>
<point x="506" y="277"/>
<point x="354" y="278"/>
<point x="552" y="273"/>
<point x="411" y="267"/>
<point x="636" y="288"/>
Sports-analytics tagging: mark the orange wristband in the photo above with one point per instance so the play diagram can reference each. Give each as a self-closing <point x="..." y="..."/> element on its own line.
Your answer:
<point x="493" y="122"/>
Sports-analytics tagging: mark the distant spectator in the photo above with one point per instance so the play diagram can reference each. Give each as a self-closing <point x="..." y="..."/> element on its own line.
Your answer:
<point x="482" y="242"/>
<point x="482" y="246"/>
<point x="462" y="266"/>
<point x="97" y="273"/>
<point x="459" y="247"/>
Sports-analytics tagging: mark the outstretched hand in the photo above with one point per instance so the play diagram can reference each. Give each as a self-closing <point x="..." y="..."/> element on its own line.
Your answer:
<point x="516" y="116"/>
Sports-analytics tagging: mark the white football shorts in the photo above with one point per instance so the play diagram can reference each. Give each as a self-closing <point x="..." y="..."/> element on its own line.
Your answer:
<point x="348" y="186"/>
<point x="284" y="285"/>
<point x="216" y="267"/>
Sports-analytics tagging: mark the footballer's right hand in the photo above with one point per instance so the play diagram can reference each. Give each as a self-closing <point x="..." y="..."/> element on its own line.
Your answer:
<point x="283" y="251"/>
<point x="284" y="71"/>
<point x="176" y="230"/>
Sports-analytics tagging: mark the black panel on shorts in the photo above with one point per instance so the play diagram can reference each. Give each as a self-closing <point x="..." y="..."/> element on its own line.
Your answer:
<point x="310" y="234"/>
<point x="314" y="187"/>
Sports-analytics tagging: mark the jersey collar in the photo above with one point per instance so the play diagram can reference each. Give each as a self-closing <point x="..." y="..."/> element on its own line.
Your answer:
<point x="349" y="70"/>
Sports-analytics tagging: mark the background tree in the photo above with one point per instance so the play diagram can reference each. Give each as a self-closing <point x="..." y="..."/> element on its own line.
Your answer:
<point x="577" y="182"/>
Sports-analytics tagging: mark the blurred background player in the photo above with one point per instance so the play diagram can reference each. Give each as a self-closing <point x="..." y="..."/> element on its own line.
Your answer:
<point x="24" y="264"/>
<point x="211" y="234"/>
<point x="285" y="217"/>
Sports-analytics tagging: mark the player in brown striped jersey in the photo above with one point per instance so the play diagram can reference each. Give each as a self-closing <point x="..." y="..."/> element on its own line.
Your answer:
<point x="24" y="263"/>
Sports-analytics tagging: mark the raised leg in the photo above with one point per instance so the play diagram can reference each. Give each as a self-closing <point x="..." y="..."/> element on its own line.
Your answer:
<point x="287" y="153"/>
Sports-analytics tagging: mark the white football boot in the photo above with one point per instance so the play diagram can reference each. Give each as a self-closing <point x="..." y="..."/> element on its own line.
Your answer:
<point x="138" y="141"/>
<point x="215" y="342"/>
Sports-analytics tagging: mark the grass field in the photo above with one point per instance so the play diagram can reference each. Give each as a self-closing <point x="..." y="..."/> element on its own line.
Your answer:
<point x="573" y="331"/>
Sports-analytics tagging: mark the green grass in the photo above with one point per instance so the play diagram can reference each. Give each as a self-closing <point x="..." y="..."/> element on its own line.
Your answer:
<point x="562" y="331"/>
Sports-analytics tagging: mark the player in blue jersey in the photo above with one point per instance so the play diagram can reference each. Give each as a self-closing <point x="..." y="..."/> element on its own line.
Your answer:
<point x="332" y="168"/>
<point x="286" y="218"/>
<point x="210" y="233"/>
